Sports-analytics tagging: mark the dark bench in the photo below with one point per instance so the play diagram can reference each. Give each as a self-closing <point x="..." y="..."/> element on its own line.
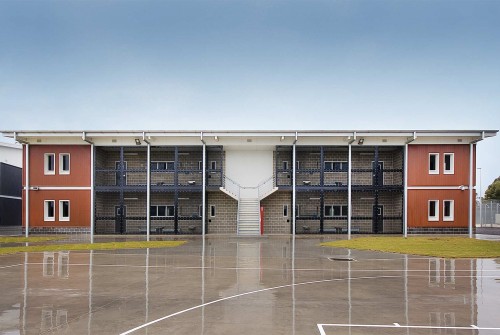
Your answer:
<point x="339" y="230"/>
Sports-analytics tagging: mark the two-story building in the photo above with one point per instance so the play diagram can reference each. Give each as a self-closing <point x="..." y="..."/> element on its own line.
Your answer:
<point x="249" y="182"/>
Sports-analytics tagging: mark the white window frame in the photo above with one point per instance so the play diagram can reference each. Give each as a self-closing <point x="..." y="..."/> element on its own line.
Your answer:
<point x="436" y="216"/>
<point x="285" y="208"/>
<point x="436" y="171"/>
<point x="200" y="165"/>
<point x="61" y="165"/>
<point x="200" y="210"/>
<point x="46" y="161"/>
<point x="213" y="165"/>
<point x="328" y="162"/>
<point x="451" y="217"/>
<point x="166" y="211"/>
<point x="46" y="216"/>
<point x="297" y="165"/>
<point x="61" y="216"/>
<point x="452" y="163"/>
<point x="341" y="209"/>
<point x="285" y="165"/>
<point x="213" y="212"/>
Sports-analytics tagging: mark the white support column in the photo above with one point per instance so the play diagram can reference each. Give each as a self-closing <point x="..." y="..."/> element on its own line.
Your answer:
<point x="471" y="185"/>
<point x="349" y="192"/>
<point x="405" y="210"/>
<point x="204" y="188"/>
<point x="148" y="193"/>
<point x="27" y="191"/>
<point x="294" y="162"/>
<point x="92" y="200"/>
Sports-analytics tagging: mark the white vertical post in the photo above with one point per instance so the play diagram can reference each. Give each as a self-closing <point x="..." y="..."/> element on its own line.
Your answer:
<point x="27" y="191"/>
<point x="148" y="193"/>
<point x="203" y="192"/>
<point x="405" y="195"/>
<point x="92" y="214"/>
<point x="294" y="158"/>
<point x="471" y="185"/>
<point x="349" y="193"/>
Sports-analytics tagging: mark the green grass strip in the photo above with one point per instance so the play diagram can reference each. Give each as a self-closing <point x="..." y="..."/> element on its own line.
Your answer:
<point x="19" y="239"/>
<point x="446" y="247"/>
<point x="93" y="246"/>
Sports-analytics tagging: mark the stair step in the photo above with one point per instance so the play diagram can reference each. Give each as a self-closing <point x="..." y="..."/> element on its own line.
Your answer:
<point x="249" y="217"/>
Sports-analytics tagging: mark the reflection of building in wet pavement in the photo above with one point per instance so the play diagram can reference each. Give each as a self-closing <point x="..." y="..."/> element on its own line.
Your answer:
<point x="103" y="292"/>
<point x="448" y="297"/>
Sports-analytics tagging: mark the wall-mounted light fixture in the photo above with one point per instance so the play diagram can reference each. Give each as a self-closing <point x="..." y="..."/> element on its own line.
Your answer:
<point x="216" y="138"/>
<point x="282" y="138"/>
<point x="361" y="141"/>
<point x="137" y="141"/>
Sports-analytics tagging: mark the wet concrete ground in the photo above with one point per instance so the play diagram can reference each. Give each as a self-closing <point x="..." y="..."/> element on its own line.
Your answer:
<point x="231" y="285"/>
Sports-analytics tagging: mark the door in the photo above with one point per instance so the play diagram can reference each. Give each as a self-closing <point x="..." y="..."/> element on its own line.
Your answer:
<point x="378" y="176"/>
<point x="118" y="173"/>
<point x="378" y="219"/>
<point x="120" y="219"/>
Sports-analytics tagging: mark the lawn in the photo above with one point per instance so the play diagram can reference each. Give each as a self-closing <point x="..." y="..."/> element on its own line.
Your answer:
<point x="447" y="247"/>
<point x="19" y="239"/>
<point x="89" y="246"/>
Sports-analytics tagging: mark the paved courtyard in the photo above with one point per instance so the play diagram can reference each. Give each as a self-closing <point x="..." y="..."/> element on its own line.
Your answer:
<point x="231" y="285"/>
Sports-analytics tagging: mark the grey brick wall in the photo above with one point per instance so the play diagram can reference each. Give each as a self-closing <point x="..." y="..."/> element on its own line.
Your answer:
<point x="225" y="220"/>
<point x="274" y="221"/>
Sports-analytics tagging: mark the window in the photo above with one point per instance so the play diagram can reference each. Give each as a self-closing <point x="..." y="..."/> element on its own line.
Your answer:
<point x="213" y="165"/>
<point x="297" y="165"/>
<point x="285" y="165"/>
<point x="49" y="163"/>
<point x="297" y="210"/>
<point x="212" y="210"/>
<point x="162" y="211"/>
<point x="162" y="166"/>
<point x="335" y="211"/>
<point x="433" y="210"/>
<point x="200" y="210"/>
<point x="63" y="210"/>
<point x="336" y="166"/>
<point x="63" y="163"/>
<point x="153" y="211"/>
<point x="285" y="211"/>
<point x="449" y="163"/>
<point x="200" y="165"/>
<point x="433" y="163"/>
<point x="49" y="210"/>
<point x="448" y="210"/>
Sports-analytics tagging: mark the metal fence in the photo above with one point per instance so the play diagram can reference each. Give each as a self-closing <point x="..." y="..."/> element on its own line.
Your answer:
<point x="487" y="213"/>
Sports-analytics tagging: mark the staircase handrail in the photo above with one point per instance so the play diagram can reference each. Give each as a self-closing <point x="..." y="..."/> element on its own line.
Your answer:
<point x="232" y="186"/>
<point x="265" y="186"/>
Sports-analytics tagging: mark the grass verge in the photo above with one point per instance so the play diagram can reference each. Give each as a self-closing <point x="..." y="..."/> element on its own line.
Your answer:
<point x="92" y="246"/>
<point x="446" y="247"/>
<point x="19" y="239"/>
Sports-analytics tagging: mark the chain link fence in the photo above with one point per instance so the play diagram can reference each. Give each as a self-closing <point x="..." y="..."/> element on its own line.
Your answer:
<point x="488" y="213"/>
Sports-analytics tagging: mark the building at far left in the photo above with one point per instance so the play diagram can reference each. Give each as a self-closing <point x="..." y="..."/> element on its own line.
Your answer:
<point x="10" y="188"/>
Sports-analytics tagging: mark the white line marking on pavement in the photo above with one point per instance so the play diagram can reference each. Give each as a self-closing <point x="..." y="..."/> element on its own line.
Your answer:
<point x="244" y="294"/>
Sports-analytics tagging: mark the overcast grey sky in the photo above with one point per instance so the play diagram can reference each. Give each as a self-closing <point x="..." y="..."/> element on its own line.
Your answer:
<point x="253" y="65"/>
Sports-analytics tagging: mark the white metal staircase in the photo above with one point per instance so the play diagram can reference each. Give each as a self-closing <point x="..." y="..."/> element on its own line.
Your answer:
<point x="249" y="216"/>
<point x="248" y="203"/>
